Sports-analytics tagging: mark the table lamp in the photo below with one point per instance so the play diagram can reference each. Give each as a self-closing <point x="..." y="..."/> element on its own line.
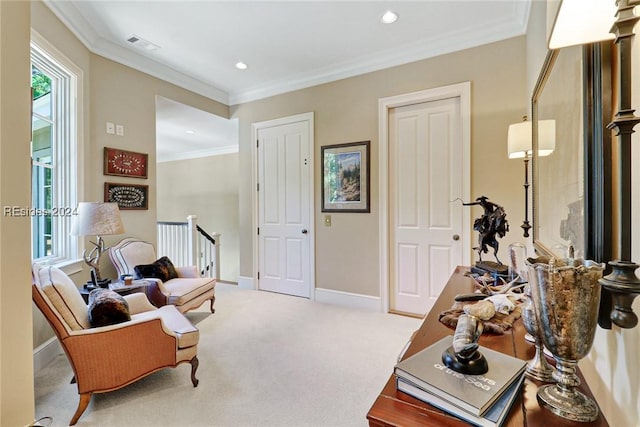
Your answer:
<point x="519" y="147"/>
<point x="97" y="219"/>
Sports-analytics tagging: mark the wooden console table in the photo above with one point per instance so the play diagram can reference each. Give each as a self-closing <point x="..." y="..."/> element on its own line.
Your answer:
<point x="394" y="408"/>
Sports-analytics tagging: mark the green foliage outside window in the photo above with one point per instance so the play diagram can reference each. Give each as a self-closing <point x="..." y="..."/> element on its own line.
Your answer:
<point x="40" y="83"/>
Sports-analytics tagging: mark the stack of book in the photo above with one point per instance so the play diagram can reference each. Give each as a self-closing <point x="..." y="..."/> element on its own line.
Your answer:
<point x="482" y="400"/>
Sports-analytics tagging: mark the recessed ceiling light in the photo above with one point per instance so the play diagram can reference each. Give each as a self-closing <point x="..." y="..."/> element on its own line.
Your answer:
<point x="389" y="17"/>
<point x="241" y="66"/>
<point x="190" y="132"/>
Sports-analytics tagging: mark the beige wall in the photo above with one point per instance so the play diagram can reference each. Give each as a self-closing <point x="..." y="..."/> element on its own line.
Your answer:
<point x="206" y="187"/>
<point x="16" y="370"/>
<point x="347" y="111"/>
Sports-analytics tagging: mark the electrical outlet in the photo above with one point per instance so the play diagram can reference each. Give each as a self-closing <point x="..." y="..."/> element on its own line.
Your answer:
<point x="111" y="128"/>
<point x="327" y="220"/>
<point x="120" y="130"/>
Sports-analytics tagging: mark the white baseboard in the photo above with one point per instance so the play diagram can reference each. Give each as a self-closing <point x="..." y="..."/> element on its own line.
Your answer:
<point x="46" y="353"/>
<point x="347" y="299"/>
<point x="246" y="282"/>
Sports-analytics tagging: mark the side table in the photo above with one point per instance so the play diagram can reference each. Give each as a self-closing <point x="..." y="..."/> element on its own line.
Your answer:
<point x="119" y="287"/>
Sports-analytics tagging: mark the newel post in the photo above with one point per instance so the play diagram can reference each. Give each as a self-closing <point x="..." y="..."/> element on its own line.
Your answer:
<point x="192" y="240"/>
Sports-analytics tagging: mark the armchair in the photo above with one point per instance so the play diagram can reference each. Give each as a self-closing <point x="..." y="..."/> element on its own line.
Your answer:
<point x="187" y="292"/>
<point x="110" y="357"/>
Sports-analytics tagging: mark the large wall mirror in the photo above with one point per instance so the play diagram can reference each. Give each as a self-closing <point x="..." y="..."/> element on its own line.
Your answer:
<point x="571" y="186"/>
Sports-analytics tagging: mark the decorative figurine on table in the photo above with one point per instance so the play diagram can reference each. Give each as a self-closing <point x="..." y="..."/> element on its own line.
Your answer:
<point x="463" y="356"/>
<point x="492" y="222"/>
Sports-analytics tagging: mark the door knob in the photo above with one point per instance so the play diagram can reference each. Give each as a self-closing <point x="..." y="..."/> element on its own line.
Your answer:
<point x="304" y="231"/>
<point x="456" y="237"/>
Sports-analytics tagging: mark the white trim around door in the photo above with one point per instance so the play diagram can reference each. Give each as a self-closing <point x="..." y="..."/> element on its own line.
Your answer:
<point x="253" y="282"/>
<point x="459" y="90"/>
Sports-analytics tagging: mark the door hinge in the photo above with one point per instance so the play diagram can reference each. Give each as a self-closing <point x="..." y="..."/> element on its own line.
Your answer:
<point x="257" y="143"/>
<point x="258" y="275"/>
<point x="258" y="231"/>
<point x="258" y="186"/>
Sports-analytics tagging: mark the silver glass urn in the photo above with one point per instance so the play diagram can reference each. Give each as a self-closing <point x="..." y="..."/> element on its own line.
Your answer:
<point x="566" y="296"/>
<point x="538" y="368"/>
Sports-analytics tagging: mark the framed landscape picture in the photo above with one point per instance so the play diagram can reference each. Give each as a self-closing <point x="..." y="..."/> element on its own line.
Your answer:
<point x="127" y="196"/>
<point x="345" y="177"/>
<point x="125" y="163"/>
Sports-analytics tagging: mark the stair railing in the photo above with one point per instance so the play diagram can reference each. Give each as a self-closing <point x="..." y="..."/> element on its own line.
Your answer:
<point x="186" y="243"/>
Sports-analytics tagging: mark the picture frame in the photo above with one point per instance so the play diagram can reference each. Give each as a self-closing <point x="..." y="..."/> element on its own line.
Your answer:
<point x="127" y="196"/>
<point x="125" y="163"/>
<point x="346" y="178"/>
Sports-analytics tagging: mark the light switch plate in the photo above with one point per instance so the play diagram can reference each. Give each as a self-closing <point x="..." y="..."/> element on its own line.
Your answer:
<point x="327" y="220"/>
<point x="120" y="130"/>
<point x="110" y="129"/>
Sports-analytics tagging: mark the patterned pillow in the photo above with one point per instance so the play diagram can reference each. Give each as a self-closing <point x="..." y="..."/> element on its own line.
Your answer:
<point x="162" y="269"/>
<point x="107" y="308"/>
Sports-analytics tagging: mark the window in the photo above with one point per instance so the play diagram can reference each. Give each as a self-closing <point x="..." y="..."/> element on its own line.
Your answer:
<point x="43" y="128"/>
<point x="54" y="153"/>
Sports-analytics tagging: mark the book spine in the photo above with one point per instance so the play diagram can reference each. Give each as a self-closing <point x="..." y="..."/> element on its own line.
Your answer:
<point x="450" y="408"/>
<point x="434" y="390"/>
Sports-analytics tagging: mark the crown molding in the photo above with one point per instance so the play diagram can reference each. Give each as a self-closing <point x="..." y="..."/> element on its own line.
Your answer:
<point x="82" y="29"/>
<point x="146" y="65"/>
<point x="416" y="51"/>
<point x="229" y="149"/>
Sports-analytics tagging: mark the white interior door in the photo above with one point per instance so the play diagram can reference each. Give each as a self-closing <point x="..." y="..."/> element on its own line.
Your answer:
<point x="284" y="208"/>
<point x="425" y="152"/>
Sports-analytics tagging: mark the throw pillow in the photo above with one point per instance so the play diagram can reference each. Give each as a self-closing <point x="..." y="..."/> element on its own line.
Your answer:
<point x="107" y="308"/>
<point x="162" y="269"/>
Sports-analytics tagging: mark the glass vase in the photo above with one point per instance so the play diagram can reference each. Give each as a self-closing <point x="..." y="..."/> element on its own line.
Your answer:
<point x="566" y="297"/>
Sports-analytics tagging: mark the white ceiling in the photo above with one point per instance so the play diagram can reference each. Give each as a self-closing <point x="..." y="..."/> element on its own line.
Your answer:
<point x="287" y="45"/>
<point x="184" y="132"/>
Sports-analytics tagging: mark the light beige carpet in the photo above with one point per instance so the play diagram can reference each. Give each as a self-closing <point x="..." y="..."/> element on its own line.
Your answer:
<point x="265" y="360"/>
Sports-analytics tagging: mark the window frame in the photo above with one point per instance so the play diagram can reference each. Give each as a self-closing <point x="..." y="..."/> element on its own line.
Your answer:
<point x="67" y="164"/>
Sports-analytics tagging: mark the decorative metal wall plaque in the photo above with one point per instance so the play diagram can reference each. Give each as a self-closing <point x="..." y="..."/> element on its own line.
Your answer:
<point x="127" y="196"/>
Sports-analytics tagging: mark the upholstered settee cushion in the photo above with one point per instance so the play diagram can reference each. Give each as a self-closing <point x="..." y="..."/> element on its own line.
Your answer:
<point x="107" y="308"/>
<point x="162" y="269"/>
<point x="187" y="334"/>
<point x="183" y="290"/>
<point x="63" y="295"/>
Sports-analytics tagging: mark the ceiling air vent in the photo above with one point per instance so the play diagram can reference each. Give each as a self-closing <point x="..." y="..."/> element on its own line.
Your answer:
<point x="142" y="43"/>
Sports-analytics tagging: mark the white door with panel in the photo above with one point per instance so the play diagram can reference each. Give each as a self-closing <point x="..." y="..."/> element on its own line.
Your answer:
<point x="284" y="208"/>
<point x="425" y="223"/>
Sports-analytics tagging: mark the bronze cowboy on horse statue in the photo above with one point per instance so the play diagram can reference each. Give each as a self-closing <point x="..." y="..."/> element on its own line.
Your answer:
<point x="493" y="221"/>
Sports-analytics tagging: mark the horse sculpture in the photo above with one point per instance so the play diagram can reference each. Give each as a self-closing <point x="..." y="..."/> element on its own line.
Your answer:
<point x="493" y="221"/>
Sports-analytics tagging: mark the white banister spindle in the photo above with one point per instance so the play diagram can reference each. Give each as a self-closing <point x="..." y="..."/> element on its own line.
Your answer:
<point x="192" y="240"/>
<point x="204" y="257"/>
<point x="172" y="241"/>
